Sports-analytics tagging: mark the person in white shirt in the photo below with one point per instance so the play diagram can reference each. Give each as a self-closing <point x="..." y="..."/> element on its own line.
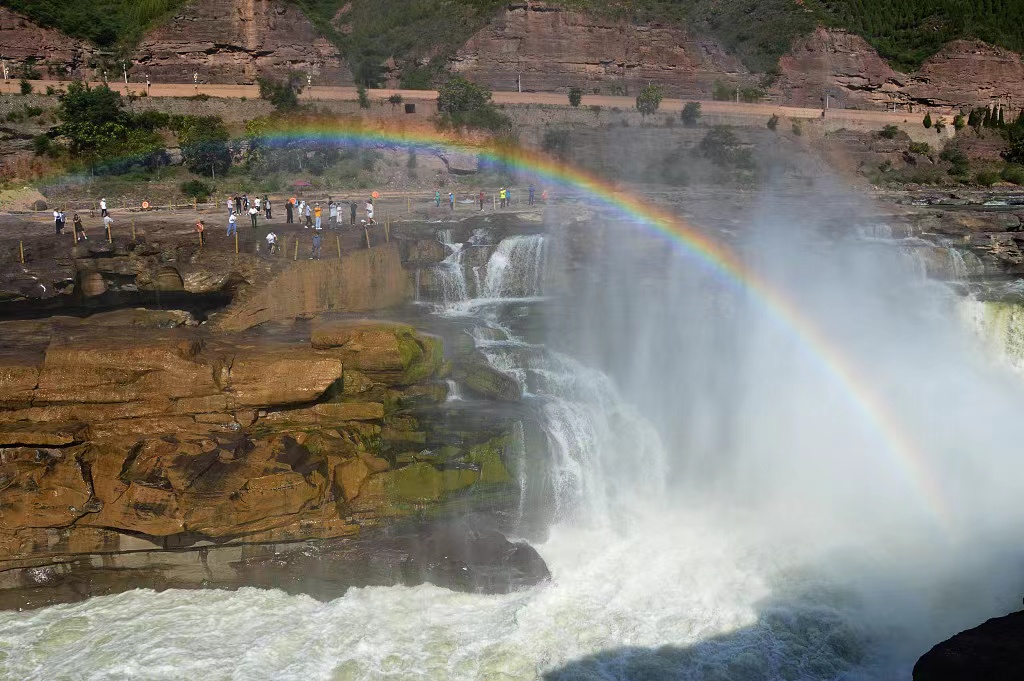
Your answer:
<point x="231" y="206"/>
<point x="57" y="224"/>
<point x="332" y="213"/>
<point x="108" y="222"/>
<point x="103" y="208"/>
<point x="253" y="212"/>
<point x="232" y="224"/>
<point x="272" y="242"/>
<point x="369" y="212"/>
<point x="309" y="216"/>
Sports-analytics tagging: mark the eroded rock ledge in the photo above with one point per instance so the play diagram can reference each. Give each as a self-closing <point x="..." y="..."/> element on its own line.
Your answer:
<point x="156" y="452"/>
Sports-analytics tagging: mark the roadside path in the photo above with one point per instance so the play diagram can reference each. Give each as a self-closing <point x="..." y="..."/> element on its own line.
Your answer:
<point x="324" y="93"/>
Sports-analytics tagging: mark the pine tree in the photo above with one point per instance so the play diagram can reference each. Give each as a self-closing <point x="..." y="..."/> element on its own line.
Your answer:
<point x="1002" y="121"/>
<point x="928" y="120"/>
<point x="987" y="122"/>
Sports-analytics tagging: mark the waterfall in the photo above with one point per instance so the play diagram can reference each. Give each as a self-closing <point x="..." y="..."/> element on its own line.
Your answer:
<point x="874" y="231"/>
<point x="515" y="268"/>
<point x="999" y="326"/>
<point x="916" y="262"/>
<point x="956" y="264"/>
<point x="450" y="274"/>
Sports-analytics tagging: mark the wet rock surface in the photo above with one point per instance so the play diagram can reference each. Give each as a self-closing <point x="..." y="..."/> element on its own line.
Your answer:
<point x="993" y="651"/>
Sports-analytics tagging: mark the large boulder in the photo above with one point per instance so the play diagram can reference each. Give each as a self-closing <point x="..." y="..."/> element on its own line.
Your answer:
<point x="993" y="651"/>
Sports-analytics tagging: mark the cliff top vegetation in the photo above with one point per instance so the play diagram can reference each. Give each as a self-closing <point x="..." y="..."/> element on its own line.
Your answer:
<point x="105" y="23"/>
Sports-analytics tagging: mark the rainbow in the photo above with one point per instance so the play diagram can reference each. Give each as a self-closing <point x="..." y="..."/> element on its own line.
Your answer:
<point x="718" y="257"/>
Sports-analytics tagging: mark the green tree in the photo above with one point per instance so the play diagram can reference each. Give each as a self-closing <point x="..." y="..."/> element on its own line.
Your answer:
<point x="958" y="122"/>
<point x="986" y="122"/>
<point x="283" y="94"/>
<point x="204" y="144"/>
<point x="773" y="122"/>
<point x="394" y="100"/>
<point x="723" y="148"/>
<point x="648" y="101"/>
<point x="362" y="97"/>
<point x="460" y="96"/>
<point x="1002" y="121"/>
<point x="690" y="114"/>
<point x="927" y="120"/>
<point x="575" y="96"/>
<point x="26" y="87"/>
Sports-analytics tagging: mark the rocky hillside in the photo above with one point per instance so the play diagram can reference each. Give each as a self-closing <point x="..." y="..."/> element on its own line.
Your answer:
<point x="543" y="47"/>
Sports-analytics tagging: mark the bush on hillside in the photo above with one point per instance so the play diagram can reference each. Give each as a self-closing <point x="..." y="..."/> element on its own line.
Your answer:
<point x="690" y="114"/>
<point x="648" y="101"/>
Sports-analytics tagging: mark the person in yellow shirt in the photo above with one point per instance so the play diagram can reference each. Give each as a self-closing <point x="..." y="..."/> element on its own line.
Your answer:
<point x="317" y="213"/>
<point x="501" y="197"/>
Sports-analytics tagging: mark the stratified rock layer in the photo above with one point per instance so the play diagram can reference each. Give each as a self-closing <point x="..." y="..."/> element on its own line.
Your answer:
<point x="555" y="49"/>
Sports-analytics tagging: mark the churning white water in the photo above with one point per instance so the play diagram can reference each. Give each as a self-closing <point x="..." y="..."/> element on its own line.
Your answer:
<point x="731" y="503"/>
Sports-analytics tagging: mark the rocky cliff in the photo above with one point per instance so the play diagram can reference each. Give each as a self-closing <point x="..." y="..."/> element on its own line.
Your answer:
<point x="234" y="41"/>
<point x="844" y="65"/>
<point x="554" y="49"/>
<point x="56" y="55"/>
<point x="992" y="651"/>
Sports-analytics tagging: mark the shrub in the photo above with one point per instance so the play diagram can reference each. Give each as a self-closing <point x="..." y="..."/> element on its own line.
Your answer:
<point x="889" y="132"/>
<point x="197" y="189"/>
<point x="464" y="103"/>
<point x="797" y="130"/>
<point x="987" y="178"/>
<point x="42" y="144"/>
<point x="959" y="163"/>
<point x="773" y="123"/>
<point x="1014" y="174"/>
<point x="752" y="94"/>
<point x="958" y="122"/>
<point x="722" y="92"/>
<point x="690" y="114"/>
<point x="927" y="120"/>
<point x="284" y="95"/>
<point x="723" y="148"/>
<point x="394" y="100"/>
<point x="575" y="96"/>
<point x="26" y="87"/>
<point x="556" y="142"/>
<point x="648" y="101"/>
<point x="364" y="100"/>
<point x="920" y="148"/>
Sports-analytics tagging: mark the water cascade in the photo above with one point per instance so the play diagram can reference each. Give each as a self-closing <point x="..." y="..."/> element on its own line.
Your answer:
<point x="732" y="499"/>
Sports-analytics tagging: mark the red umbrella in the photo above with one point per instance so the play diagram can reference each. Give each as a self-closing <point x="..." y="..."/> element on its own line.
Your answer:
<point x="302" y="183"/>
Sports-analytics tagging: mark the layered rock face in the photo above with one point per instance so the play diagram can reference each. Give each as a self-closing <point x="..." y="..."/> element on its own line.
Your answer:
<point x="554" y="50"/>
<point x="125" y="440"/>
<point x="844" y="65"/>
<point x="56" y="55"/>
<point x="234" y="41"/>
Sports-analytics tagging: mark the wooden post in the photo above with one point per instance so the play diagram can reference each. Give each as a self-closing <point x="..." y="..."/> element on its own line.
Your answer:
<point x="408" y="207"/>
<point x="21" y="250"/>
<point x="133" y="229"/>
<point x="494" y="203"/>
<point x="236" y="240"/>
<point x="110" y="239"/>
<point x="387" y="230"/>
<point x="366" y="233"/>
<point x="338" y="239"/>
<point x="296" y="249"/>
<point x="195" y="204"/>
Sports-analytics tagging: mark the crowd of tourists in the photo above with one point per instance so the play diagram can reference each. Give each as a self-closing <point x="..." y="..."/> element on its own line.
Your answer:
<point x="310" y="214"/>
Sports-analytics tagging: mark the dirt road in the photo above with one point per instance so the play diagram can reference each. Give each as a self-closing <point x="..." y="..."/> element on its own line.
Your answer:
<point x="323" y="93"/>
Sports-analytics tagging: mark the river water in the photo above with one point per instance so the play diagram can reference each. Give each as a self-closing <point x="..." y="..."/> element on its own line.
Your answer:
<point x="725" y="503"/>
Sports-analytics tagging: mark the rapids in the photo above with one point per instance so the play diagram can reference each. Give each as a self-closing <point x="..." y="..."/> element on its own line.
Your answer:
<point x="724" y="505"/>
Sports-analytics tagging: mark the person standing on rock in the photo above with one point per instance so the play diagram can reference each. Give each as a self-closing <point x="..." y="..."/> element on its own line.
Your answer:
<point x="238" y="203"/>
<point x="58" y="227"/>
<point x="451" y="200"/>
<point x="531" y="194"/>
<point x="201" y="230"/>
<point x="103" y="208"/>
<point x="266" y="206"/>
<point x="309" y="216"/>
<point x="352" y="207"/>
<point x="318" y="214"/>
<point x="253" y="212"/>
<point x="317" y="239"/>
<point x="233" y="224"/>
<point x="289" y="209"/>
<point x="79" y="229"/>
<point x="369" y="211"/>
<point x="108" y="222"/>
<point x="437" y="198"/>
<point x="332" y="213"/>
<point x="272" y="243"/>
<point x="231" y="206"/>
<point x="481" y="197"/>
<point x="259" y="206"/>
<point x="501" y="197"/>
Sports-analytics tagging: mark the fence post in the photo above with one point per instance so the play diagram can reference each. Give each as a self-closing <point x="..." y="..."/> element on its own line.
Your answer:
<point x="21" y="250"/>
<point x="236" y="240"/>
<point x="338" y="239"/>
<point x="133" y="229"/>
<point x="296" y="257"/>
<point x="366" y="233"/>
<point x="110" y="239"/>
<point x="387" y="229"/>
